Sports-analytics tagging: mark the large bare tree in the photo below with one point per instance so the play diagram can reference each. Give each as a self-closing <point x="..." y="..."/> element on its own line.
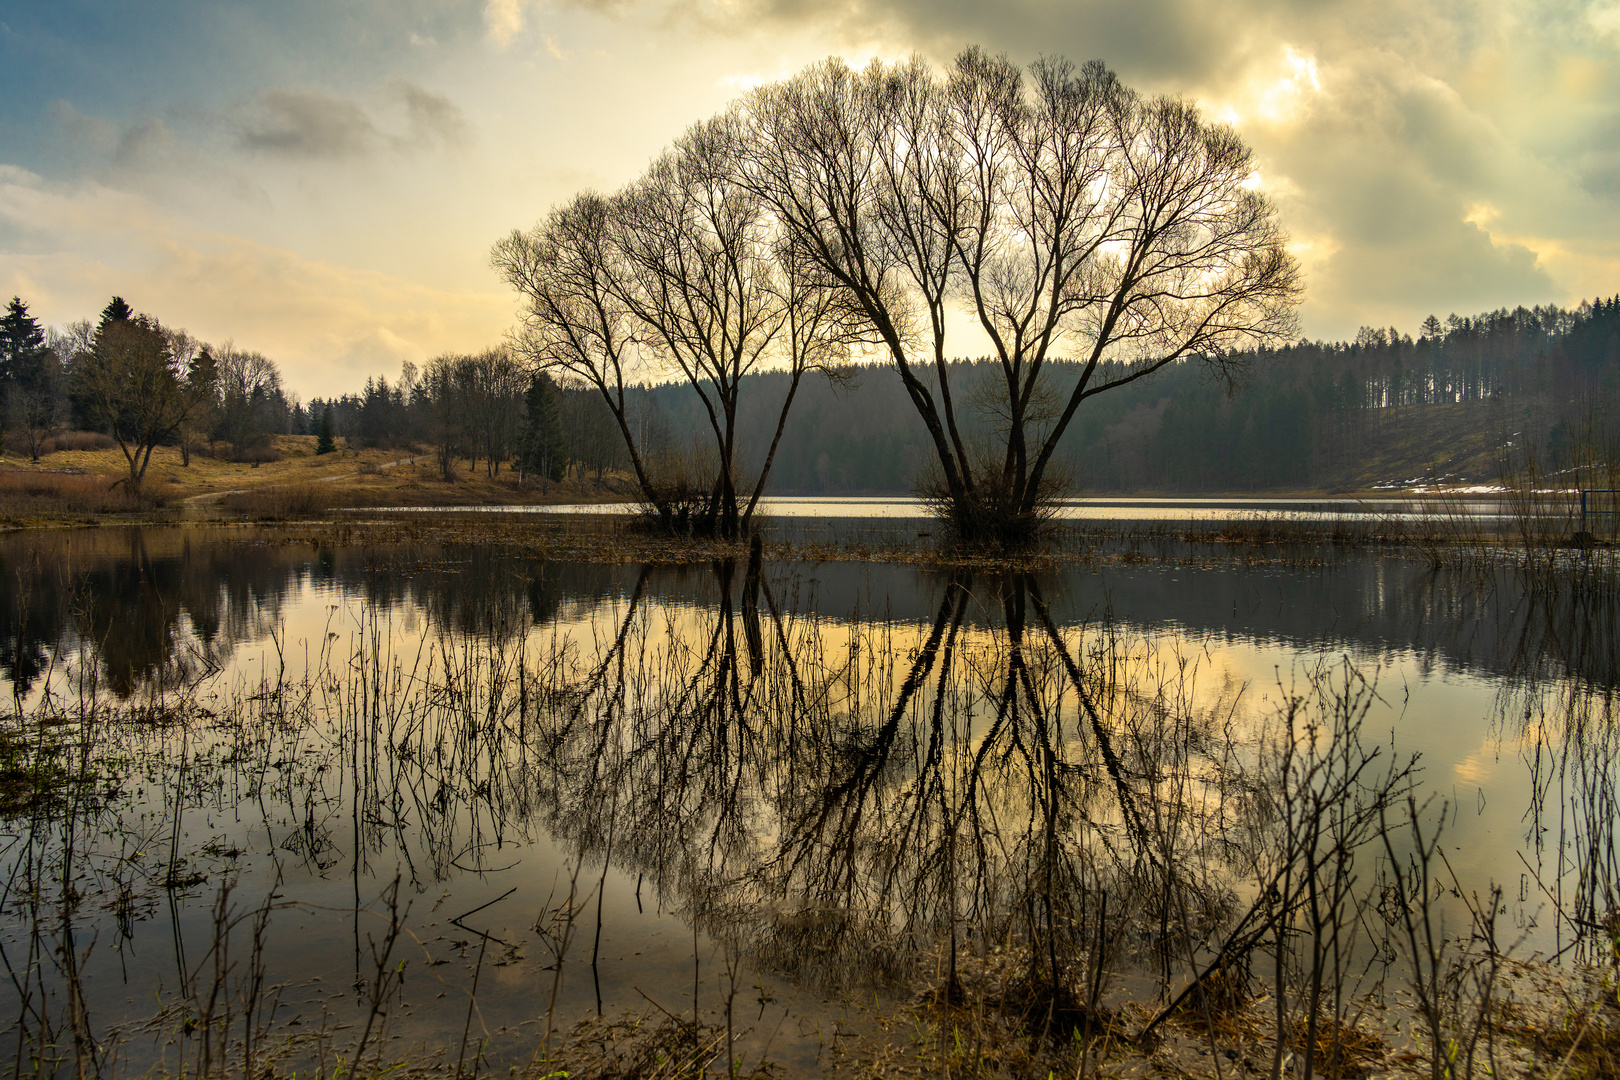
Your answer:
<point x="574" y="320"/>
<point x="1068" y="215"/>
<point x="680" y="273"/>
<point x="698" y="279"/>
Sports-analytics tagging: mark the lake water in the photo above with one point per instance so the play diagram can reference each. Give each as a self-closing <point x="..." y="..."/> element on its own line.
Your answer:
<point x="1478" y="506"/>
<point x="584" y="789"/>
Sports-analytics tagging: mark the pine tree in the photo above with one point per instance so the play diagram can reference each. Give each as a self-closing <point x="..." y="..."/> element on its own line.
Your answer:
<point x="542" y="450"/>
<point x="326" y="444"/>
<point x="22" y="340"/>
<point x="28" y="383"/>
<point x="115" y="311"/>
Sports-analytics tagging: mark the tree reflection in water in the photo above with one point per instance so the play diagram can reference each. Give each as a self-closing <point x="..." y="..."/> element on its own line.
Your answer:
<point x="851" y="801"/>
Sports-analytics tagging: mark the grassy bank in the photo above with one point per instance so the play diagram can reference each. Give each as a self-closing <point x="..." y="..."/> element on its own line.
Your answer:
<point x="83" y="480"/>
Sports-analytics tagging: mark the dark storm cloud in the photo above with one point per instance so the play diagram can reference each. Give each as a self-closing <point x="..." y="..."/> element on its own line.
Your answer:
<point x="1434" y="152"/>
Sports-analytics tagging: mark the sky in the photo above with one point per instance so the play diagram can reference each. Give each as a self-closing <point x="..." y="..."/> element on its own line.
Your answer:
<point x="321" y="180"/>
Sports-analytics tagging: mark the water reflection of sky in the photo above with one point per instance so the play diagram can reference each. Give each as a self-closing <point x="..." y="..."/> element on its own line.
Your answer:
<point x="1092" y="509"/>
<point x="1478" y="679"/>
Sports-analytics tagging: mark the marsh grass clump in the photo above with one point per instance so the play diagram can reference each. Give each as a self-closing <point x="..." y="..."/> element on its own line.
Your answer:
<point x="27" y="495"/>
<point x="282" y="502"/>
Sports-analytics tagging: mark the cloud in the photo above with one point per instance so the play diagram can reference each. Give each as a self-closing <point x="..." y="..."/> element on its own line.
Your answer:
<point x="312" y="125"/>
<point x="433" y="118"/>
<point x="1183" y="40"/>
<point x="504" y="19"/>
<point x="304" y="124"/>
<point x="83" y="138"/>
<point x="148" y="145"/>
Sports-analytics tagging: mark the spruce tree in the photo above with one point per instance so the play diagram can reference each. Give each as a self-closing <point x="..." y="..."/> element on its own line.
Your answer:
<point x="27" y="387"/>
<point x="542" y="446"/>
<point x="326" y="444"/>
<point x="22" y="341"/>
<point x="115" y="311"/>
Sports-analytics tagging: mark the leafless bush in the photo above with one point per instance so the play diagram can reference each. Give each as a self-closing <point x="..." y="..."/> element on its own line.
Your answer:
<point x="260" y="454"/>
<point x="77" y="440"/>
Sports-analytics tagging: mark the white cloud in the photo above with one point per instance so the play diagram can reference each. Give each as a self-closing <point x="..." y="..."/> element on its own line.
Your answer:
<point x="504" y="19"/>
<point x="742" y="82"/>
<point x="1605" y="18"/>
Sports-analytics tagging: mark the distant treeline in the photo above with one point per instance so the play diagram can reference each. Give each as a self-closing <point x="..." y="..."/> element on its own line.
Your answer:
<point x="1539" y="384"/>
<point x="1545" y="380"/>
<point x="485" y="408"/>
<point x="129" y="380"/>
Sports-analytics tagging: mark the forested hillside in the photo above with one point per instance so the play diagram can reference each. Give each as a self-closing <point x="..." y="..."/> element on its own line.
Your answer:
<point x="1539" y="383"/>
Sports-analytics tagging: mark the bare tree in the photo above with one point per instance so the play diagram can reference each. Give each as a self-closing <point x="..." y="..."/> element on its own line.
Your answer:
<point x="573" y="319"/>
<point x="1070" y="216"/>
<point x="140" y="381"/>
<point x="699" y="282"/>
<point x="248" y="394"/>
<point x="820" y="151"/>
<point x="444" y="390"/>
<point x="686" y="276"/>
<point x="493" y="398"/>
<point x="714" y="299"/>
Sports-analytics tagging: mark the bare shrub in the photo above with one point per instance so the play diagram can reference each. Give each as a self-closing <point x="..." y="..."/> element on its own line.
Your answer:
<point x="77" y="440"/>
<point x="259" y="455"/>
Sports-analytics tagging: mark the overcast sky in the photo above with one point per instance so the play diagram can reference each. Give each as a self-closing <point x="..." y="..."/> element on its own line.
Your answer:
<point x="321" y="180"/>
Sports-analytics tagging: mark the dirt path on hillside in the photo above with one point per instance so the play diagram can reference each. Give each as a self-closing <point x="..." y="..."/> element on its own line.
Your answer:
<point x="211" y="498"/>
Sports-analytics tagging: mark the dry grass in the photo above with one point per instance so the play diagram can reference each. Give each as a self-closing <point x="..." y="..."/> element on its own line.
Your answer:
<point x="643" y="1048"/>
<point x="1573" y="1031"/>
<point x="282" y="502"/>
<point x="372" y="477"/>
<point x="27" y="495"/>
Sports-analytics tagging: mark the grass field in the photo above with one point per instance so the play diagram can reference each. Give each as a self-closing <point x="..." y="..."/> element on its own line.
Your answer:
<point x="84" y="485"/>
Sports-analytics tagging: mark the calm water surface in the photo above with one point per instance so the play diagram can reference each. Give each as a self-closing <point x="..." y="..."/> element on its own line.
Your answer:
<point x="1479" y="507"/>
<point x="610" y="786"/>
